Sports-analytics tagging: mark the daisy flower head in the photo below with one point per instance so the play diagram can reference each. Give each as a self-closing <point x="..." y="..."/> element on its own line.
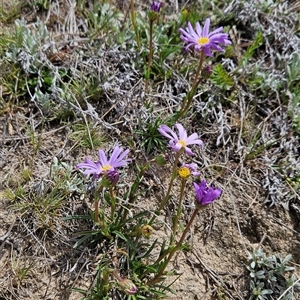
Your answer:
<point x="116" y="160"/>
<point x="156" y="6"/>
<point x="186" y="170"/>
<point x="204" y="40"/>
<point x="105" y="165"/>
<point x="205" y="194"/>
<point x="154" y="10"/>
<point x="180" y="141"/>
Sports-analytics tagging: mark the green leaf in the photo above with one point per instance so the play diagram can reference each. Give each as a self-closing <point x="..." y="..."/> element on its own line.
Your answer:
<point x="221" y="78"/>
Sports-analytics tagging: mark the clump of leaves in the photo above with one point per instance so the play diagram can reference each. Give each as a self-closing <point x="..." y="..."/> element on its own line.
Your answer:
<point x="26" y="44"/>
<point x="151" y="138"/>
<point x="268" y="276"/>
<point x="21" y="268"/>
<point x="44" y="198"/>
<point x="9" y="11"/>
<point x="221" y="78"/>
<point x="88" y="135"/>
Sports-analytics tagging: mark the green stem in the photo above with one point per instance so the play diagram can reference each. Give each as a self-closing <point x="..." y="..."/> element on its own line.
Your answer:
<point x="167" y="196"/>
<point x="113" y="203"/>
<point x="150" y="54"/>
<point x="96" y="204"/>
<point x="133" y="19"/>
<point x="96" y="211"/>
<point x="187" y="101"/>
<point x="179" y="210"/>
<point x="173" y="251"/>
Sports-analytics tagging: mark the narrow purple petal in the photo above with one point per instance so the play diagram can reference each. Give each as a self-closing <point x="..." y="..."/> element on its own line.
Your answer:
<point x="193" y="168"/>
<point x="188" y="151"/>
<point x="185" y="33"/>
<point x="195" y="173"/>
<point x="207" y="52"/>
<point x="175" y="146"/>
<point x="167" y="132"/>
<point x="219" y="38"/>
<point x="211" y="195"/>
<point x="114" y="155"/>
<point x="198" y="29"/>
<point x="193" y="139"/>
<point x="217" y="47"/>
<point x="156" y="6"/>
<point x="102" y="158"/>
<point x="122" y="156"/>
<point x="184" y="38"/>
<point x="89" y="166"/>
<point x="188" y="46"/>
<point x="215" y="31"/>
<point x="206" y="27"/>
<point x="181" y="132"/>
<point x="200" y="189"/>
<point x="117" y="159"/>
<point x="192" y="31"/>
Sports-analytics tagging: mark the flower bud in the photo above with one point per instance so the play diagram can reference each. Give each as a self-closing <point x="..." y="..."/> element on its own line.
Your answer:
<point x="154" y="10"/>
<point x="128" y="286"/>
<point x="206" y="72"/>
<point x="161" y="160"/>
<point x="205" y="194"/>
<point x="110" y="178"/>
<point x="146" y="230"/>
<point x="156" y="6"/>
<point x="113" y="176"/>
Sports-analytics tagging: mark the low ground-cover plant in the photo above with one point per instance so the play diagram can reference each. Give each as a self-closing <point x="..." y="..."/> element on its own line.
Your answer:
<point x="117" y="221"/>
<point x="268" y="276"/>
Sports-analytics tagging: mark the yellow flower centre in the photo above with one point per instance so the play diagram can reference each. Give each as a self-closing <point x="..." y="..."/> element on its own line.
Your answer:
<point x="184" y="172"/>
<point x="203" y="41"/>
<point x="182" y="143"/>
<point x="106" y="168"/>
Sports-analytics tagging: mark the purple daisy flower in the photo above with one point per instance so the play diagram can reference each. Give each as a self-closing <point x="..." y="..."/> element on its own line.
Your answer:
<point x="193" y="168"/>
<point x="186" y="170"/>
<point x="205" y="194"/>
<point x="156" y="6"/>
<point x="203" y="39"/>
<point x="181" y="141"/>
<point x="104" y="165"/>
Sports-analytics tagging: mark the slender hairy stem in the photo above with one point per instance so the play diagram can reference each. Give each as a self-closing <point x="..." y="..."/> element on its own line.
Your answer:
<point x="96" y="203"/>
<point x="173" y="251"/>
<point x="167" y="196"/>
<point x="96" y="211"/>
<point x="133" y="20"/>
<point x="175" y="221"/>
<point x="179" y="210"/>
<point x="113" y="203"/>
<point x="187" y="101"/>
<point x="150" y="54"/>
<point x="117" y="275"/>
